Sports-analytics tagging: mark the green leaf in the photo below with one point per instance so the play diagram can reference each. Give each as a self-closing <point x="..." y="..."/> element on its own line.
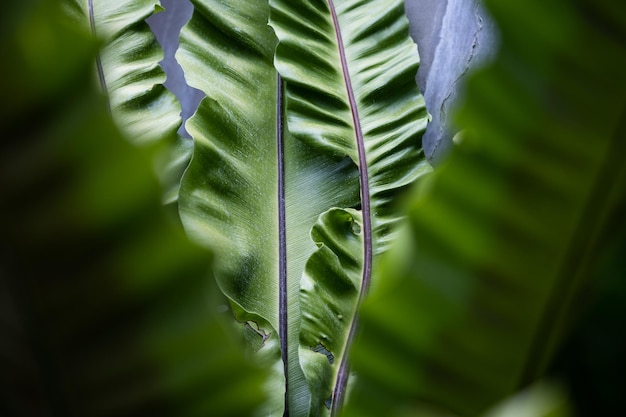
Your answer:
<point x="541" y="399"/>
<point x="254" y="191"/>
<point x="106" y="309"/>
<point x="329" y="295"/>
<point x="128" y="67"/>
<point x="171" y="164"/>
<point x="502" y="244"/>
<point x="350" y="70"/>
<point x="130" y="76"/>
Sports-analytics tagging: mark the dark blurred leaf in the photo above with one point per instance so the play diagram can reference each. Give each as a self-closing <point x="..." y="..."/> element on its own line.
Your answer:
<point x="503" y="245"/>
<point x="592" y="361"/>
<point x="105" y="308"/>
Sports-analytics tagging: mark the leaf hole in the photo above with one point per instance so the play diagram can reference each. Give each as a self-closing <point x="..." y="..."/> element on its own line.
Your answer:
<point x="320" y="348"/>
<point x="327" y="402"/>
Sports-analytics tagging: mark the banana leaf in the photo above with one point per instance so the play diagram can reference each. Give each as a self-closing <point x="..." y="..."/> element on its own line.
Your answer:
<point x="300" y="148"/>
<point x="501" y="251"/>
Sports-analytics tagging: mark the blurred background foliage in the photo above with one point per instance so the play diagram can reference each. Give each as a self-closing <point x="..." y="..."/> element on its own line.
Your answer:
<point x="512" y="266"/>
<point x="511" y="269"/>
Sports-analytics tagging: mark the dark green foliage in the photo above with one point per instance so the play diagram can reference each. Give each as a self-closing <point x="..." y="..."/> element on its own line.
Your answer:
<point x="504" y="242"/>
<point x="105" y="308"/>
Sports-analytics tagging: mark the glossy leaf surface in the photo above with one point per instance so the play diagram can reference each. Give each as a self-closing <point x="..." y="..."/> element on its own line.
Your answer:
<point x="254" y="191"/>
<point x="350" y="71"/>
<point x="232" y="197"/>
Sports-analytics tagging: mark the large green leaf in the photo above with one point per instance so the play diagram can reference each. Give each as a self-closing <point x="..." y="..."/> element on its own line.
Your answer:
<point x="254" y="191"/>
<point x="106" y="309"/>
<point x="502" y="243"/>
<point x="350" y="71"/>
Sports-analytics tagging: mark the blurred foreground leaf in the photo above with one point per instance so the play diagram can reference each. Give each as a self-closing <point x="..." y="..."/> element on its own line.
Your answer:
<point x="504" y="241"/>
<point x="542" y="399"/>
<point x="105" y="308"/>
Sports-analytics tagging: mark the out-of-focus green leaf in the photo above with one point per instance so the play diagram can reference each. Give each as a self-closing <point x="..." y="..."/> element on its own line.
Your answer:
<point x="105" y="308"/>
<point x="32" y="38"/>
<point x="591" y="364"/>
<point x="542" y="399"/>
<point x="502" y="244"/>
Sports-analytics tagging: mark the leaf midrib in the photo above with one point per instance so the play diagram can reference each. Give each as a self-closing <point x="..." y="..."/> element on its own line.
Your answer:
<point x="283" y="319"/>
<point x="342" y="375"/>
<point x="103" y="83"/>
